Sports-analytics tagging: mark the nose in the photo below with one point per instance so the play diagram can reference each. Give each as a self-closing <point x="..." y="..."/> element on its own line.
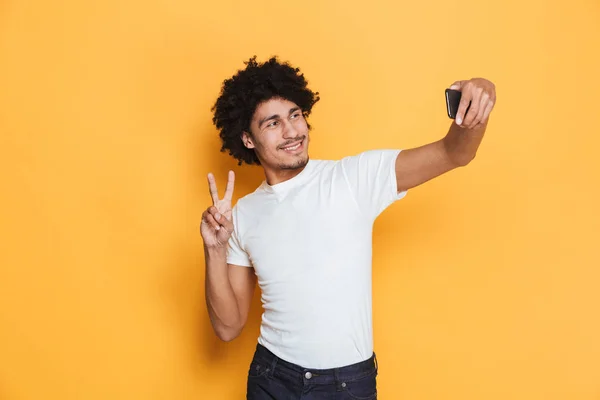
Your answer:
<point x="289" y="130"/>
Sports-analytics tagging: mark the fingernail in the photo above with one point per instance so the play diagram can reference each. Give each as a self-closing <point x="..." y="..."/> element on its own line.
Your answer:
<point x="459" y="120"/>
<point x="218" y="227"/>
<point x="217" y="216"/>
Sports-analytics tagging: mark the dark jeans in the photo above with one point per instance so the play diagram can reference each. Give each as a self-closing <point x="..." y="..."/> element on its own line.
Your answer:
<point x="270" y="377"/>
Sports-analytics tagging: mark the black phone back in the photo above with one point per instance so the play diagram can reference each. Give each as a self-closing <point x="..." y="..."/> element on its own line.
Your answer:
<point x="452" y="102"/>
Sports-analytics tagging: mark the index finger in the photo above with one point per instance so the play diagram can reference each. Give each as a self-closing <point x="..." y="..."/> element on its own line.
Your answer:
<point x="229" y="189"/>
<point x="212" y="187"/>
<point x="465" y="102"/>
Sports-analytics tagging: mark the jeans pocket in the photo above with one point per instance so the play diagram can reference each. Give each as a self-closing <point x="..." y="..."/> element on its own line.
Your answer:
<point x="258" y="369"/>
<point x="364" y="388"/>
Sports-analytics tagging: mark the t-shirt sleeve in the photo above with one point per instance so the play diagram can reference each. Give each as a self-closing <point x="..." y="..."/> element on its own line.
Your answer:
<point x="371" y="176"/>
<point x="236" y="254"/>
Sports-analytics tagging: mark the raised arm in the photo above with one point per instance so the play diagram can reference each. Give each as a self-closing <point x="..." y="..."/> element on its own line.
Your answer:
<point x="229" y="288"/>
<point x="421" y="164"/>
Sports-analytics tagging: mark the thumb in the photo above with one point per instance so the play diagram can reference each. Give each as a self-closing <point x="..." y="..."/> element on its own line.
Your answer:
<point x="227" y="224"/>
<point x="456" y="85"/>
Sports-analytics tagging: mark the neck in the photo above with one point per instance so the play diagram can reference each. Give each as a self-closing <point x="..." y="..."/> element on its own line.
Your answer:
<point x="275" y="176"/>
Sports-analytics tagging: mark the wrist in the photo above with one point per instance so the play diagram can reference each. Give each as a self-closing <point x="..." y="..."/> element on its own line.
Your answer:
<point x="216" y="251"/>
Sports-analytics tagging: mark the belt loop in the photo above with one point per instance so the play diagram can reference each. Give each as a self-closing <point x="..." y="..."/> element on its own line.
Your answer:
<point x="273" y="364"/>
<point x="336" y="377"/>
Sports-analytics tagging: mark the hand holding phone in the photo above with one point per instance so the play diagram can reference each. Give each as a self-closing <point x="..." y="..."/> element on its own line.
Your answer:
<point x="470" y="102"/>
<point x="453" y="101"/>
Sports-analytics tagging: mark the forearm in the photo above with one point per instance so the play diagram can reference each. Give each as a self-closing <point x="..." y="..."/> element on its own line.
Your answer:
<point x="461" y="144"/>
<point x="221" y="302"/>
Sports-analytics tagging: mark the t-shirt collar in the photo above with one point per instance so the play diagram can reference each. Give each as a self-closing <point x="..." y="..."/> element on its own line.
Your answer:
<point x="283" y="187"/>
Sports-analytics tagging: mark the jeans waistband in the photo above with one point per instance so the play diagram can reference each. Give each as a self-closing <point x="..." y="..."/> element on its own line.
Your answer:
<point x="317" y="376"/>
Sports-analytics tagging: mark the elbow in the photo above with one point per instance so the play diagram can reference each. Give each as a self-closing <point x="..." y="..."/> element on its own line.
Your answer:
<point x="227" y="334"/>
<point x="458" y="156"/>
<point x="227" y="337"/>
<point x="464" y="160"/>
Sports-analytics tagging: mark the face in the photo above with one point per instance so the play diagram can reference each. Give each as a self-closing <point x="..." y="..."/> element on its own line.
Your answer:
<point x="279" y="136"/>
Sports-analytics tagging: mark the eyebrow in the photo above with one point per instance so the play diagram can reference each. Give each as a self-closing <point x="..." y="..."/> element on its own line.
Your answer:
<point x="276" y="116"/>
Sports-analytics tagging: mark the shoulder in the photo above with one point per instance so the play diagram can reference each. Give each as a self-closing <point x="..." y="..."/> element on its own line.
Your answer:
<point x="252" y="204"/>
<point x="248" y="200"/>
<point x="372" y="154"/>
<point x="369" y="159"/>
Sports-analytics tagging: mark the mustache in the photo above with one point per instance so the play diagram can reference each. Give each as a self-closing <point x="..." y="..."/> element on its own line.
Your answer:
<point x="297" y="140"/>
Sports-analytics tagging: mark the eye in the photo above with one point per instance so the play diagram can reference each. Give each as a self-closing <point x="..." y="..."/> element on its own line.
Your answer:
<point x="272" y="124"/>
<point x="295" y="115"/>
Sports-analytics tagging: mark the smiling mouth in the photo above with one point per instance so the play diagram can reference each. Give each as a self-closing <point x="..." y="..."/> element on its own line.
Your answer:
<point x="293" y="147"/>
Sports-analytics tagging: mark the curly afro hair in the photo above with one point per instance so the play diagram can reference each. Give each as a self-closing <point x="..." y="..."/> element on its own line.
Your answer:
<point x="243" y="92"/>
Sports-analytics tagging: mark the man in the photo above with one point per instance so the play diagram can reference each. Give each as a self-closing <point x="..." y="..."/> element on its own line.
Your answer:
<point x="305" y="233"/>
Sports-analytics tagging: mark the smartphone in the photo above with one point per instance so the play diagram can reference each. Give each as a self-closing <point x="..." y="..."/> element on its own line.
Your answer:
<point x="452" y="102"/>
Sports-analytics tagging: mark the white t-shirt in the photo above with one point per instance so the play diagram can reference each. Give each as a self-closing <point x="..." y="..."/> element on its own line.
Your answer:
<point x="309" y="240"/>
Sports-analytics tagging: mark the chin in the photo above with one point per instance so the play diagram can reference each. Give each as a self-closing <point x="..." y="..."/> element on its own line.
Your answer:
<point x="295" y="164"/>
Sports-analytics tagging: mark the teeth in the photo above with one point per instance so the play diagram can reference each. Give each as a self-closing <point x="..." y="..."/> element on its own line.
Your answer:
<point x="292" y="148"/>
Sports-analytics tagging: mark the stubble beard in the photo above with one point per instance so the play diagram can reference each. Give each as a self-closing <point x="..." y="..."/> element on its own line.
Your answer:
<point x="301" y="163"/>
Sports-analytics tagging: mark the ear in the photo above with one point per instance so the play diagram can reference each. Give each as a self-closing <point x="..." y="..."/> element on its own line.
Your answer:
<point x="247" y="139"/>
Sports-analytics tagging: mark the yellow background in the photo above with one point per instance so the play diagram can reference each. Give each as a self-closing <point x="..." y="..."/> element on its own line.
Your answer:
<point x="486" y="280"/>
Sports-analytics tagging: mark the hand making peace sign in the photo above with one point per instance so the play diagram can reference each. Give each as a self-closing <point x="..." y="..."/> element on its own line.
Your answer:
<point x="217" y="225"/>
